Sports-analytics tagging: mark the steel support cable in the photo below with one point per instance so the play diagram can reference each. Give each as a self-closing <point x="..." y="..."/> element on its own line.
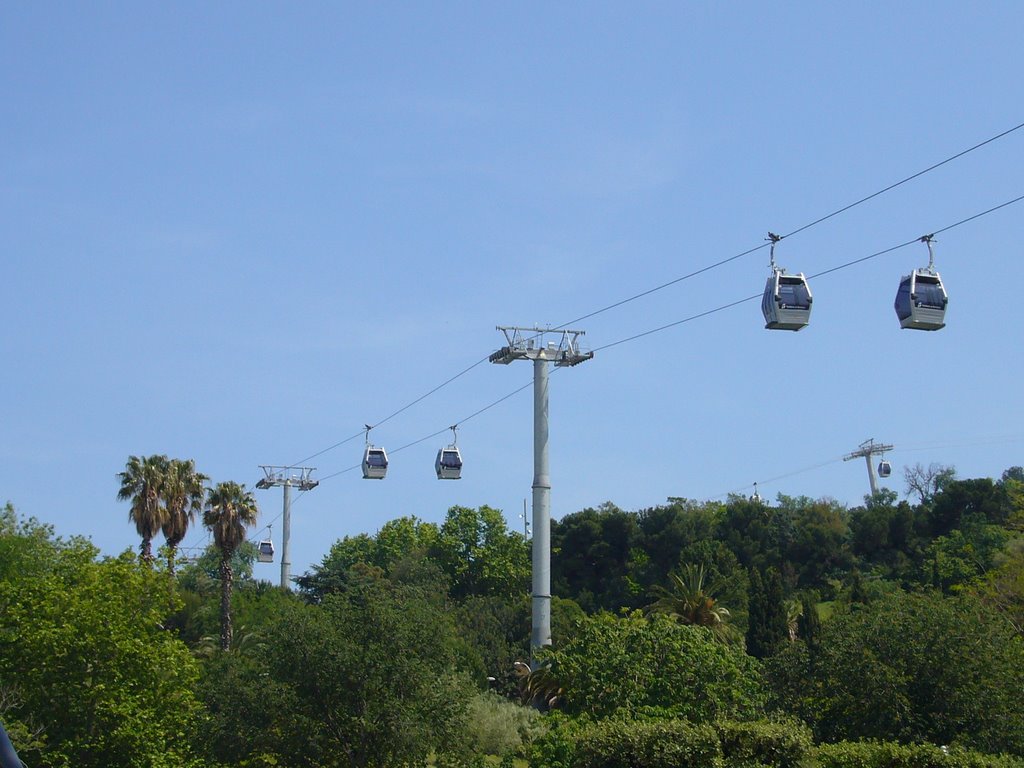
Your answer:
<point x="779" y="477"/>
<point x="440" y="431"/>
<point x="817" y="221"/>
<point x="970" y="442"/>
<point x="854" y="262"/>
<point x="688" y="276"/>
<point x="419" y="399"/>
<point x="705" y="313"/>
<point x="721" y="308"/>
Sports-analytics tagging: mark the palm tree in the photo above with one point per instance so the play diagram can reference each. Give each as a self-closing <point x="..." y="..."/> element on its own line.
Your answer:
<point x="230" y="509"/>
<point x="141" y="483"/>
<point x="692" y="601"/>
<point x="183" y="491"/>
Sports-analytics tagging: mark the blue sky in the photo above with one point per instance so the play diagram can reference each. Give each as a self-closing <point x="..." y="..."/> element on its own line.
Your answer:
<point x="237" y="233"/>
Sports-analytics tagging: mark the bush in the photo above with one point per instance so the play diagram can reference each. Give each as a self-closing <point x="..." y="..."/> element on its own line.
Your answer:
<point x="648" y="744"/>
<point x="497" y="726"/>
<point x="887" y="754"/>
<point x="780" y="744"/>
<point x="617" y="743"/>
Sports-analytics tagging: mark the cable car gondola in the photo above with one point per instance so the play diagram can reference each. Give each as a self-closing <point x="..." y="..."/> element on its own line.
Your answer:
<point x="375" y="460"/>
<point x="375" y="463"/>
<point x="449" y="461"/>
<point x="265" y="551"/>
<point x="921" y="298"/>
<point x="787" y="299"/>
<point x="884" y="468"/>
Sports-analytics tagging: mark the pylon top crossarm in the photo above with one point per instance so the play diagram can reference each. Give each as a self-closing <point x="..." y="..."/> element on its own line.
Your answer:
<point x="296" y="477"/>
<point x="868" y="448"/>
<point x="531" y="344"/>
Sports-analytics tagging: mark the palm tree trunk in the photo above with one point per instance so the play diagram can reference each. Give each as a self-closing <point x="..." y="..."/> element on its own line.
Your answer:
<point x="226" y="577"/>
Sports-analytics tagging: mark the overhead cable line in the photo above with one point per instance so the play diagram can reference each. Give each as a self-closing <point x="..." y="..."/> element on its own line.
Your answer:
<point x="874" y="255"/>
<point x="440" y="431"/>
<point x="970" y="442"/>
<point x="715" y="310"/>
<point x="400" y="410"/>
<point x="634" y="337"/>
<point x="695" y="273"/>
<point x="798" y="229"/>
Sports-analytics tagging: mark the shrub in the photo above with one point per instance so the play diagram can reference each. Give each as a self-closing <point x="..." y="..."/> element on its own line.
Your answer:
<point x="497" y="726"/>
<point x="888" y="754"/>
<point x="619" y="743"/>
<point x="648" y="744"/>
<point x="780" y="744"/>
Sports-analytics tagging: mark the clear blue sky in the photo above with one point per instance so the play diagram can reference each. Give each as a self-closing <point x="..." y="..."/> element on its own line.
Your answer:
<point x="236" y="233"/>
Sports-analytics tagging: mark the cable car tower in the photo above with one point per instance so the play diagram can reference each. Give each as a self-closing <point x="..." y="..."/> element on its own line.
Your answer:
<point x="868" y="449"/>
<point x="289" y="477"/>
<point x="564" y="353"/>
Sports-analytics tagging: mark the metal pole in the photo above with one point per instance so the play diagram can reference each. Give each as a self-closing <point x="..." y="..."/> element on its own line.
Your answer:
<point x="541" y="510"/>
<point x="286" y="559"/>
<point x="871" y="473"/>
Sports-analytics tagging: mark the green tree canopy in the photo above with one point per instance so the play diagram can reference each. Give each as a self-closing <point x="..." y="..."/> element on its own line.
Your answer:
<point x="480" y="555"/>
<point x="614" y="664"/>
<point x="911" y="667"/>
<point x="365" y="678"/>
<point x="85" y="659"/>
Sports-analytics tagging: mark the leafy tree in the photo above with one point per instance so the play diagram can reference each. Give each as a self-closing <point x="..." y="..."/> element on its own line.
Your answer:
<point x="366" y="678"/>
<point x="183" y="491"/>
<point x="85" y="664"/>
<point x="818" y="548"/>
<point x="755" y="532"/>
<point x="332" y="573"/>
<point x="480" y="555"/>
<point x="624" y="664"/>
<point x="499" y="629"/>
<point x="230" y="510"/>
<point x="142" y="484"/>
<point x="964" y="498"/>
<point x="885" y="534"/>
<point x="591" y="558"/>
<point x="1003" y="586"/>
<point x="767" y="625"/>
<point x="398" y="544"/>
<point x="809" y="626"/>
<point x="909" y="668"/>
<point x="666" y="532"/>
<point x="964" y="555"/>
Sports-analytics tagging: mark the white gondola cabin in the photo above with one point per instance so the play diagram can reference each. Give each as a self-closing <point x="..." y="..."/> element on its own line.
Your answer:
<point x="448" y="463"/>
<point x="375" y="463"/>
<point x="265" y="551"/>
<point x="921" y="301"/>
<point x="787" y="300"/>
<point x="884" y="468"/>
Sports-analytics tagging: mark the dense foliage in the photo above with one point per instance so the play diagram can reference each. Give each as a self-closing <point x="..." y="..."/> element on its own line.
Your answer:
<point x="86" y="667"/>
<point x="625" y="664"/>
<point x="742" y="633"/>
